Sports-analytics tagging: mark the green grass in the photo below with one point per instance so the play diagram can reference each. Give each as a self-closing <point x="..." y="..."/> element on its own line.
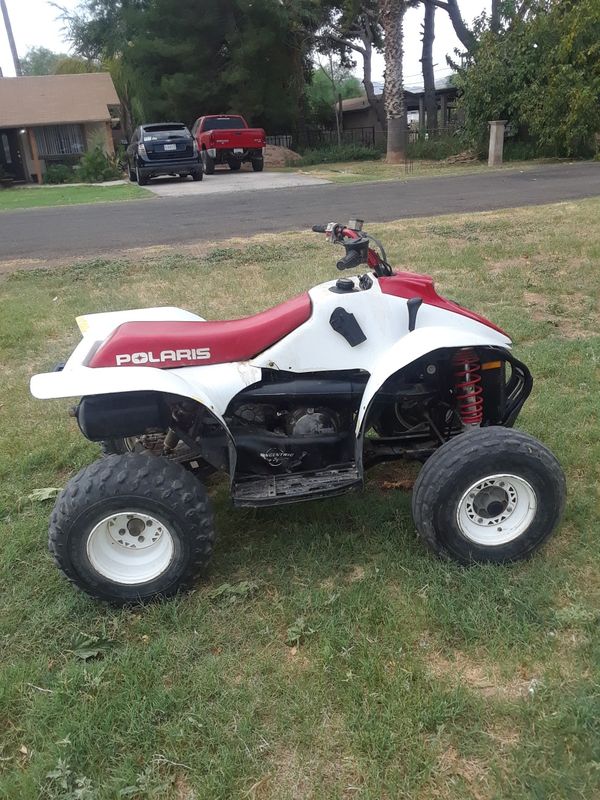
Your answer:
<point x="415" y="678"/>
<point x="38" y="196"/>
<point x="378" y="170"/>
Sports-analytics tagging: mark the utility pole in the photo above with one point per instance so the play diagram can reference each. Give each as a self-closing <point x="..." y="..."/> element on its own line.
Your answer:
<point x="11" y="38"/>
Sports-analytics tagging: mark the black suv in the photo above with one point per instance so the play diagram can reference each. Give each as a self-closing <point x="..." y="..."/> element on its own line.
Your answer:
<point x="163" y="148"/>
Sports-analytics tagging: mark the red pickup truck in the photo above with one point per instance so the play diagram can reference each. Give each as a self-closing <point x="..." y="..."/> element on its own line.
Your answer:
<point x="227" y="139"/>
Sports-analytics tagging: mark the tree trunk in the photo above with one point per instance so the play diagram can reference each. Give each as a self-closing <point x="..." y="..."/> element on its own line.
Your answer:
<point x="367" y="54"/>
<point x="465" y="36"/>
<point x="392" y="18"/>
<point x="427" y="64"/>
<point x="298" y="92"/>
<point x="495" y="18"/>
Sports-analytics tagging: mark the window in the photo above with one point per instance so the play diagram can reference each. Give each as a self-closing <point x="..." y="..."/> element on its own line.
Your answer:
<point x="6" y="148"/>
<point x="151" y="133"/>
<point x="223" y="123"/>
<point x="59" y="140"/>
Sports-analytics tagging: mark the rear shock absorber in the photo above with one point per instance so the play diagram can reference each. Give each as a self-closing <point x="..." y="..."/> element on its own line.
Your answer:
<point x="467" y="384"/>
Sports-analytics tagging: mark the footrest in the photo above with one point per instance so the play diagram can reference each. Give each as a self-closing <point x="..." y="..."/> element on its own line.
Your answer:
<point x="276" y="489"/>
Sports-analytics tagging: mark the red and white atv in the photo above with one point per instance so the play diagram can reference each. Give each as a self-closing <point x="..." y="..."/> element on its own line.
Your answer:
<point x="295" y="403"/>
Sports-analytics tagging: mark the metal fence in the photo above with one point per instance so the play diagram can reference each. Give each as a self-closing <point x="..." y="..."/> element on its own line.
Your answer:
<point x="436" y="133"/>
<point x="316" y="138"/>
<point x="283" y="140"/>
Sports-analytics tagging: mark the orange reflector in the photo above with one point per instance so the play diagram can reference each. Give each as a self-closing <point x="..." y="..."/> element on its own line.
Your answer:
<point x="491" y="365"/>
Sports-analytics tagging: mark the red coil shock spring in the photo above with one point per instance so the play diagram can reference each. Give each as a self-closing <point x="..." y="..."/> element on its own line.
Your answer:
<point x="467" y="383"/>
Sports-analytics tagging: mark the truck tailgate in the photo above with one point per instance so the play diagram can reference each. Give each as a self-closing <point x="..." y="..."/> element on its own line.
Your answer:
<point x="244" y="138"/>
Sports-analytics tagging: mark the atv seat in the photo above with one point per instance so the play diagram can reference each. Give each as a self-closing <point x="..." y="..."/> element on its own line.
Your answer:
<point x="182" y="344"/>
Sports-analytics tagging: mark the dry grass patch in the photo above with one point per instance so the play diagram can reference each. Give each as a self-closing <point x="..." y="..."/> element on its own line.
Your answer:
<point x="301" y="773"/>
<point x="456" y="776"/>
<point x="481" y="676"/>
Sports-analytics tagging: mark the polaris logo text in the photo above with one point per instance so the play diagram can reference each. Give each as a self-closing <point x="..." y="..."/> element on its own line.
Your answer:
<point x="164" y="357"/>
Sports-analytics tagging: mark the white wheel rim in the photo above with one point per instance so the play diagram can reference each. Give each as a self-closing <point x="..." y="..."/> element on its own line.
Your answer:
<point x="496" y="510"/>
<point x="130" y="547"/>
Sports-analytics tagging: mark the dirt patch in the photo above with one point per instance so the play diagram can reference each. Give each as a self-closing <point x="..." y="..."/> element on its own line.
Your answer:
<point x="280" y="156"/>
<point x="498" y="267"/>
<point x="356" y="574"/>
<point x="400" y="475"/>
<point x="183" y="791"/>
<point x="296" y="658"/>
<point x="295" y="777"/>
<point x="503" y="737"/>
<point x="471" y="771"/>
<point x="480" y="676"/>
<point x="569" y="314"/>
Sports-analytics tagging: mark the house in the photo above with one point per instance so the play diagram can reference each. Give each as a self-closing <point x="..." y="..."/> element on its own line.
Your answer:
<point x="357" y="113"/>
<point x="54" y="119"/>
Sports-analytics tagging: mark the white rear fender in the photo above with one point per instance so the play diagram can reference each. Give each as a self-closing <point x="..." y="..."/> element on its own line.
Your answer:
<point x="417" y="344"/>
<point x="82" y="381"/>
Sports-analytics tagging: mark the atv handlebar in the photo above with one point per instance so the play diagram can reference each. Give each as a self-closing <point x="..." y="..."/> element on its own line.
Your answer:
<point x="356" y="244"/>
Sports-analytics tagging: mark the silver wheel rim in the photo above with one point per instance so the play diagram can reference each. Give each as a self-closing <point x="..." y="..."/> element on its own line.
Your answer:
<point x="130" y="547"/>
<point x="496" y="509"/>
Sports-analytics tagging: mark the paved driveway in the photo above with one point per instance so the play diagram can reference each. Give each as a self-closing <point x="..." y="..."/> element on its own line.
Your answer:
<point x="225" y="181"/>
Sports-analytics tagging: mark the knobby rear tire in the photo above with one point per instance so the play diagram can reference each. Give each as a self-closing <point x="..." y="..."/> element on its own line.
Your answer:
<point x="118" y="484"/>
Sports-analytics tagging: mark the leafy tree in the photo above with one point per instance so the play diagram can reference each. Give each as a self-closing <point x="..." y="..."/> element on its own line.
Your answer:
<point x="74" y="65"/>
<point x="541" y="71"/>
<point x="182" y="58"/>
<point x="324" y="89"/>
<point x="40" y="61"/>
<point x="354" y="28"/>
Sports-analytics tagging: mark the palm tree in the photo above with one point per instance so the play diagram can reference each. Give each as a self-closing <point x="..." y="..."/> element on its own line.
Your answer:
<point x="392" y="20"/>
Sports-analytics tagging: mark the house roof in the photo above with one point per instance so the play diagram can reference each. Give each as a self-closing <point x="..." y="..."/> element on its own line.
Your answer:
<point x="442" y="86"/>
<point x="56" y="99"/>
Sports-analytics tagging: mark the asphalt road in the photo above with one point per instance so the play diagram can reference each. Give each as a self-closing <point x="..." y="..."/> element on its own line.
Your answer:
<point x="75" y="231"/>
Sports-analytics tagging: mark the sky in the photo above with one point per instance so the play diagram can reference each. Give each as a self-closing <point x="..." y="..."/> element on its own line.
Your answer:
<point x="35" y="24"/>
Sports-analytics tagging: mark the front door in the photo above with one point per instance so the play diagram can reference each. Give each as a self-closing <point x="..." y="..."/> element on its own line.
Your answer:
<point x="10" y="154"/>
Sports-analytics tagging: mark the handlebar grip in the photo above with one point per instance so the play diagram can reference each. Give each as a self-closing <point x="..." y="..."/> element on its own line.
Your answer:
<point x="350" y="260"/>
<point x="319" y="229"/>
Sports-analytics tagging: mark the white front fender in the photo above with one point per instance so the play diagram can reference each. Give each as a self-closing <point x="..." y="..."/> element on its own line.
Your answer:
<point x="416" y="344"/>
<point x="81" y="381"/>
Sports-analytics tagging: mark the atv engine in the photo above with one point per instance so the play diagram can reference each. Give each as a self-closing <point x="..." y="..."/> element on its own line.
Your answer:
<point x="285" y="424"/>
<point x="311" y="421"/>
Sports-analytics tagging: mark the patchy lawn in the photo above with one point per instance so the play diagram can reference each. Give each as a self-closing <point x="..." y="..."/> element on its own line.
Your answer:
<point x="36" y="196"/>
<point x="360" y="171"/>
<point x="413" y="677"/>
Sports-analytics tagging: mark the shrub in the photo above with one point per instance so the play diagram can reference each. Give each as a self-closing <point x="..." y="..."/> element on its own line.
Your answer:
<point x="522" y="150"/>
<point x="95" y="166"/>
<point x="435" y="149"/>
<point x="59" y="173"/>
<point x="344" y="152"/>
